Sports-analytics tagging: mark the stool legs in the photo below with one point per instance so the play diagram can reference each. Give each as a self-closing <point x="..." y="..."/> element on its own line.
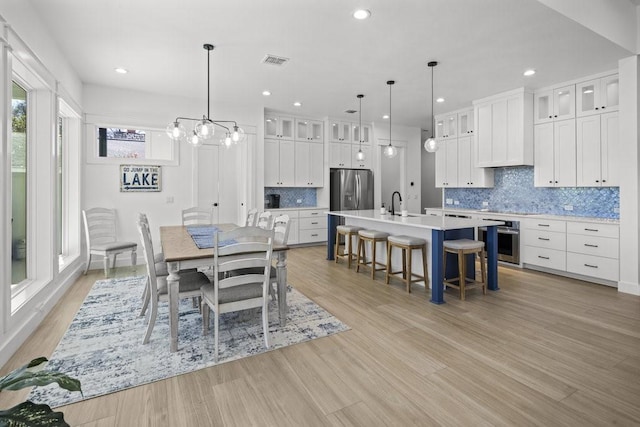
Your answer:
<point x="348" y="248"/>
<point x="407" y="265"/>
<point x="462" y="272"/>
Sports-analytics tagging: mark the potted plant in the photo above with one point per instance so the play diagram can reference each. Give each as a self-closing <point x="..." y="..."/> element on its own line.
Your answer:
<point x="28" y="413"/>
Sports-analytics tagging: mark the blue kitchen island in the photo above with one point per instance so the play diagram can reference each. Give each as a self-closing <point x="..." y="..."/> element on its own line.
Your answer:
<point x="434" y="229"/>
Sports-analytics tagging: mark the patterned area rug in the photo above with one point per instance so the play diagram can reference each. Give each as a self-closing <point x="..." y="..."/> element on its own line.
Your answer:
<point x="103" y="345"/>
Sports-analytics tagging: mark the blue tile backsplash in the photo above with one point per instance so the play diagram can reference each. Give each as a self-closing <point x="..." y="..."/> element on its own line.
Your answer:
<point x="289" y="196"/>
<point x="514" y="192"/>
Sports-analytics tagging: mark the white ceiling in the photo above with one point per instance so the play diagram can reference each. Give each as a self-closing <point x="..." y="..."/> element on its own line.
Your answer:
<point x="483" y="46"/>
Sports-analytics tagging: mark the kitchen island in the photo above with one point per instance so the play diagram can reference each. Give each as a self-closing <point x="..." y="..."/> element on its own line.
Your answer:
<point x="433" y="229"/>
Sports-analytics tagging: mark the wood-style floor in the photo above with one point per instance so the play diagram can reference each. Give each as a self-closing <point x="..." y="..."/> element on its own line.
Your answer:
<point x="543" y="350"/>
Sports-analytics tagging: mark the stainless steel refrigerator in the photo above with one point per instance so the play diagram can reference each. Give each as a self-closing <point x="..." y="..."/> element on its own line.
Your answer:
<point x="351" y="189"/>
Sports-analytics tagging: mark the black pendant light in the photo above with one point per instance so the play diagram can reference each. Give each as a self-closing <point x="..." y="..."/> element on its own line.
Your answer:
<point x="360" y="154"/>
<point x="390" y="151"/>
<point x="431" y="144"/>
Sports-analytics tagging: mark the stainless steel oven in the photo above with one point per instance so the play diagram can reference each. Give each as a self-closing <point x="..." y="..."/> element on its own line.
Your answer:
<point x="508" y="240"/>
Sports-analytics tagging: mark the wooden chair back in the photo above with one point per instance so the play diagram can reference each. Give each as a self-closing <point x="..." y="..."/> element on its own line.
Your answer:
<point x="265" y="220"/>
<point x="197" y="216"/>
<point x="281" y="226"/>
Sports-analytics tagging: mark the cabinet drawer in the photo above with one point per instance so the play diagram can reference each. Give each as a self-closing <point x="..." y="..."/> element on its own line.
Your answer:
<point x="593" y="245"/>
<point x="545" y="224"/>
<point x="544" y="239"/>
<point x="313" y="213"/>
<point x="594" y="266"/>
<point x="591" y="229"/>
<point x="542" y="257"/>
<point x="310" y="223"/>
<point x="314" y="235"/>
<point x="291" y="213"/>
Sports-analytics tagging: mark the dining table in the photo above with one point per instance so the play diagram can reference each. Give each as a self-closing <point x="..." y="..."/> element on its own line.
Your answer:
<point x="182" y="253"/>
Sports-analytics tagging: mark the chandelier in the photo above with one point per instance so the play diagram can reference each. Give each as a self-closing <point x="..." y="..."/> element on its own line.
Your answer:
<point x="205" y="127"/>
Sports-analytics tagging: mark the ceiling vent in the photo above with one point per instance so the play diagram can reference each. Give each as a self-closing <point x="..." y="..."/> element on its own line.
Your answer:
<point x="274" y="60"/>
<point x="351" y="111"/>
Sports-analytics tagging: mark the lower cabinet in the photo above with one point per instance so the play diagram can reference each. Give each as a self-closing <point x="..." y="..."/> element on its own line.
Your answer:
<point x="293" y="224"/>
<point x="306" y="225"/>
<point x="544" y="243"/>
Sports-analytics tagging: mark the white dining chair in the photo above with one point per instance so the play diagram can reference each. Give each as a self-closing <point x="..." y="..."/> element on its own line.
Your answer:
<point x="197" y="216"/>
<point x="247" y="252"/>
<point x="252" y="218"/>
<point x="101" y="238"/>
<point x="265" y="220"/>
<point x="159" y="262"/>
<point x="189" y="286"/>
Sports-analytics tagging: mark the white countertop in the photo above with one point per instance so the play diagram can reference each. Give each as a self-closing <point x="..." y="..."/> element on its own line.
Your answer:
<point x="521" y="216"/>
<point x="416" y="220"/>
<point x="295" y="208"/>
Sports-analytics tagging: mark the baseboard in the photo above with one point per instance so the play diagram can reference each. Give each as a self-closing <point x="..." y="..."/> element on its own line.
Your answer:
<point x="629" y="288"/>
<point x="38" y="308"/>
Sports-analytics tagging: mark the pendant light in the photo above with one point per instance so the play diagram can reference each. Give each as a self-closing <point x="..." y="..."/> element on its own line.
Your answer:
<point x="390" y="151"/>
<point x="205" y="127"/>
<point x="432" y="144"/>
<point x="360" y="154"/>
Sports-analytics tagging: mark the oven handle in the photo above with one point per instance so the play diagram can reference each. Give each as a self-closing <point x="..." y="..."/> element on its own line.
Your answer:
<point x="502" y="230"/>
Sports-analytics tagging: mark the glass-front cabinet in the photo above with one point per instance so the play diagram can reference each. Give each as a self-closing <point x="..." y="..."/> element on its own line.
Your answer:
<point x="555" y="104"/>
<point x="278" y="127"/>
<point x="465" y="123"/>
<point x="309" y="130"/>
<point x="366" y="134"/>
<point x="597" y="96"/>
<point x="340" y="131"/>
<point x="447" y="126"/>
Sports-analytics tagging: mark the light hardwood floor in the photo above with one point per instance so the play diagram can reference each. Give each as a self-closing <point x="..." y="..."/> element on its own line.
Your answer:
<point x="543" y="350"/>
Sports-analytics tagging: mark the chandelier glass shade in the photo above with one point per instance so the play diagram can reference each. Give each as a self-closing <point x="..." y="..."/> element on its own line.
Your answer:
<point x="360" y="154"/>
<point x="205" y="128"/>
<point x="431" y="144"/>
<point x="390" y="151"/>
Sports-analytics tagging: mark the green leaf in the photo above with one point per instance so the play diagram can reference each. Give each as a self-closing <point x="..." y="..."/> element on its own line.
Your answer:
<point x="28" y="376"/>
<point x="28" y="414"/>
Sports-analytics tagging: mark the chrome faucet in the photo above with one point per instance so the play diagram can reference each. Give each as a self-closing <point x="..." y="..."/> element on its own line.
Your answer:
<point x="393" y="207"/>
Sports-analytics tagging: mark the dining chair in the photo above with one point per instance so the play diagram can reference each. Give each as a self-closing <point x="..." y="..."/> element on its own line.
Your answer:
<point x="197" y="215"/>
<point x="101" y="238"/>
<point x="189" y="286"/>
<point x="265" y="220"/>
<point x="247" y="252"/>
<point x="159" y="262"/>
<point x="281" y="226"/>
<point x="252" y="218"/>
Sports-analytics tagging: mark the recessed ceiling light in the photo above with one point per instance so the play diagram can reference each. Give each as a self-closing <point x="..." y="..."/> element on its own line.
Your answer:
<point x="440" y="100"/>
<point x="266" y="93"/>
<point x="529" y="72"/>
<point x="587" y="91"/>
<point x="121" y="70"/>
<point x="297" y="104"/>
<point x="386" y="116"/>
<point x="361" y="14"/>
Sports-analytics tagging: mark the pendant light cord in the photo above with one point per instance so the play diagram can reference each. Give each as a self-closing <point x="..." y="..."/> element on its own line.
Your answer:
<point x="390" y="112"/>
<point x="209" y="83"/>
<point x="433" y="118"/>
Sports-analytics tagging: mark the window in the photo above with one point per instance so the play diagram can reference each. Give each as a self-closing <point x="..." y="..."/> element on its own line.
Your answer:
<point x="121" y="143"/>
<point x="18" y="184"/>
<point x="59" y="184"/>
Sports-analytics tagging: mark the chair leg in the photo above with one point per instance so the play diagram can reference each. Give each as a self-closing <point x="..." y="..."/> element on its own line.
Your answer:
<point x="205" y="318"/>
<point x="106" y="266"/>
<point x="265" y="324"/>
<point x="86" y="268"/>
<point x="463" y="274"/>
<point x="152" y="321"/>
<point x="373" y="260"/>
<point x="425" y="272"/>
<point x="134" y="259"/>
<point x="360" y="247"/>
<point x="389" y="247"/>
<point x="404" y="263"/>
<point x="483" y="270"/>
<point x="348" y="236"/>
<point x="336" y="247"/>
<point x="409" y="256"/>
<point x="146" y="296"/>
<point x="113" y="264"/>
<point x="216" y="327"/>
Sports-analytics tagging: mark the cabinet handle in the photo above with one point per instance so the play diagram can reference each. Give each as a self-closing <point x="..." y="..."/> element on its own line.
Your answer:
<point x="603" y="107"/>
<point x="314" y="223"/>
<point x="597" y="180"/>
<point x="556" y="182"/>
<point x="555" y="115"/>
<point x="543" y="238"/>
<point x="314" y="213"/>
<point x="589" y="265"/>
<point x="604" y="180"/>
<point x="550" y="117"/>
<point x="314" y="235"/>
<point x="596" y="108"/>
<point x="590" y="246"/>
<point x="591" y="229"/>
<point x="543" y="257"/>
<point x="550" y="182"/>
<point x="543" y="225"/>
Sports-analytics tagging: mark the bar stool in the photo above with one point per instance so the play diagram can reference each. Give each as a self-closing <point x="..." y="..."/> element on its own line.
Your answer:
<point x="461" y="248"/>
<point x="348" y="231"/>
<point x="407" y="243"/>
<point x="374" y="237"/>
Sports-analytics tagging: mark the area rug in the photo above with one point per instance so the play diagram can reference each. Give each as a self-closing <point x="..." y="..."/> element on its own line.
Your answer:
<point x="103" y="345"/>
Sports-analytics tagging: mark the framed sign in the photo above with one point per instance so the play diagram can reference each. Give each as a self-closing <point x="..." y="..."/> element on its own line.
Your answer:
<point x="140" y="178"/>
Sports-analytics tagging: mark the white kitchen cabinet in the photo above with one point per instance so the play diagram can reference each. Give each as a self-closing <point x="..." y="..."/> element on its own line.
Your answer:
<point x="593" y="250"/>
<point x="279" y="127"/>
<point x="468" y="174"/>
<point x="312" y="225"/>
<point x="597" y="150"/>
<point x="309" y="130"/>
<point x="597" y="96"/>
<point x="340" y="155"/>
<point x="465" y="123"/>
<point x="555" y="154"/>
<point x="293" y="224"/>
<point x="365" y="136"/>
<point x="340" y="131"/>
<point x="504" y="129"/>
<point x="361" y="164"/>
<point x="279" y="170"/>
<point x="447" y="164"/>
<point x="446" y="125"/>
<point x="555" y="104"/>
<point x="544" y="243"/>
<point x="309" y="164"/>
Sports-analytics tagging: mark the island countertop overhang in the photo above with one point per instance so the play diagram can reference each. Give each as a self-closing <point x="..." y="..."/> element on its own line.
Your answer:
<point x="419" y="221"/>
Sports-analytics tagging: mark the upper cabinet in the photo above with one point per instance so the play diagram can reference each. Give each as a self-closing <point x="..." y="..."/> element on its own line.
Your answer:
<point x="309" y="130"/>
<point x="279" y="127"/>
<point x="597" y="150"/>
<point x="361" y="164"/>
<point x="555" y="104"/>
<point x="468" y="174"/>
<point x="279" y="167"/>
<point x="309" y="170"/>
<point x="555" y="154"/>
<point x="446" y="126"/>
<point x="597" y="96"/>
<point x="447" y="164"/>
<point x="465" y="123"/>
<point x="339" y="131"/>
<point x="366" y="134"/>
<point x="504" y="129"/>
<point x="339" y="155"/>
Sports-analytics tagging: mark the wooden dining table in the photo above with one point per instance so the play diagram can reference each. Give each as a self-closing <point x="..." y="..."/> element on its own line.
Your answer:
<point x="181" y="253"/>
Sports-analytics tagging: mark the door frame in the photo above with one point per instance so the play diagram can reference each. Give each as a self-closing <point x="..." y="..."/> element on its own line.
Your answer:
<point x="401" y="145"/>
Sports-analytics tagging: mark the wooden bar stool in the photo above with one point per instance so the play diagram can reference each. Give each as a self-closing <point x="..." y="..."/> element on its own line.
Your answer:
<point x="461" y="248"/>
<point x="407" y="243"/>
<point x="349" y="232"/>
<point x="374" y="237"/>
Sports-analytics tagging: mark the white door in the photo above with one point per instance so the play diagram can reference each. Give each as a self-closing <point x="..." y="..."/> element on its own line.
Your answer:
<point x="217" y="182"/>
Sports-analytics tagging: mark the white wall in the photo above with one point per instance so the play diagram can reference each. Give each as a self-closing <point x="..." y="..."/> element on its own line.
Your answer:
<point x="102" y="181"/>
